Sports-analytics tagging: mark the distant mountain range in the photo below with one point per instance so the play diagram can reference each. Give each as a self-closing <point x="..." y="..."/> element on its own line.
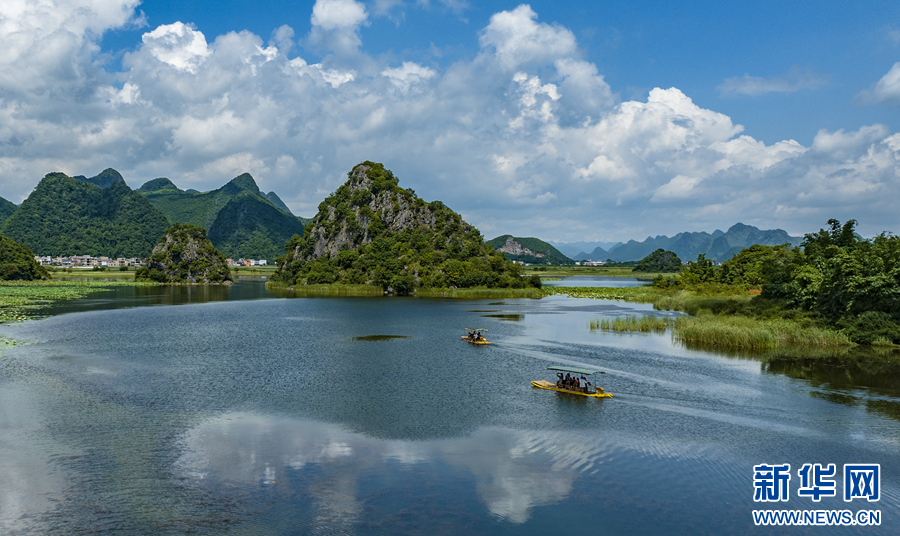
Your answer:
<point x="240" y="220"/>
<point x="528" y="250"/>
<point x="577" y="250"/>
<point x="718" y="245"/>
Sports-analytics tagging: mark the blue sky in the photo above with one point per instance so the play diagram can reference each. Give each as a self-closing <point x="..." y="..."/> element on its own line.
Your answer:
<point x="564" y="120"/>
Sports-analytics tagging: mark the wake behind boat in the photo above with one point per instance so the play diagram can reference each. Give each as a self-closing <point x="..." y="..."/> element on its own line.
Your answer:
<point x="573" y="384"/>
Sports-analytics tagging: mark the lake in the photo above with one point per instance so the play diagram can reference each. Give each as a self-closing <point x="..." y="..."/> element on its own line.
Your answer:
<point x="211" y="410"/>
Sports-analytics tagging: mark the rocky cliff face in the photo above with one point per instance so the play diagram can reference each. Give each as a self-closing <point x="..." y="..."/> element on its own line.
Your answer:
<point x="370" y="231"/>
<point x="365" y="206"/>
<point x="185" y="255"/>
<point x="514" y="248"/>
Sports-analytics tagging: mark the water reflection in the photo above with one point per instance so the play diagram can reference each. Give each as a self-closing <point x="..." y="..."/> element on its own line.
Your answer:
<point x="514" y="471"/>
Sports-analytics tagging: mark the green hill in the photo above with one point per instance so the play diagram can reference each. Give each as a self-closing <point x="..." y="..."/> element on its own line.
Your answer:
<point x="68" y="216"/>
<point x="185" y="255"/>
<point x="528" y="250"/>
<point x="241" y="220"/>
<point x="251" y="228"/>
<point x="371" y="231"/>
<point x="661" y="261"/>
<point x="6" y="209"/>
<point x="200" y="208"/>
<point x="105" y="179"/>
<point x="17" y="262"/>
<point x="273" y="197"/>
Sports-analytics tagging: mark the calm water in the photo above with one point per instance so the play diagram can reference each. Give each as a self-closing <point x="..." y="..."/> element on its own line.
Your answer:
<point x="217" y="411"/>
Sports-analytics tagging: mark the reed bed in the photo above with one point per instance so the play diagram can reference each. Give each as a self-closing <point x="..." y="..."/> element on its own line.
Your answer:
<point x="634" y="324"/>
<point x="330" y="290"/>
<point x="481" y="293"/>
<point x="707" y="330"/>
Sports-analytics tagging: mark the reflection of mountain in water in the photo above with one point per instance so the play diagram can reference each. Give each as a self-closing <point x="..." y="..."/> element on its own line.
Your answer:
<point x="514" y="471"/>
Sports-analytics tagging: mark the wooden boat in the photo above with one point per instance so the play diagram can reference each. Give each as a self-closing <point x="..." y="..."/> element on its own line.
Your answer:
<point x="475" y="336"/>
<point x="586" y="390"/>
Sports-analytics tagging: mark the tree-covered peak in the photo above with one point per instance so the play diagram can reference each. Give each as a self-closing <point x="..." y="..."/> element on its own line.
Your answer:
<point x="157" y="185"/>
<point x="243" y="182"/>
<point x="371" y="231"/>
<point x="104" y="179"/>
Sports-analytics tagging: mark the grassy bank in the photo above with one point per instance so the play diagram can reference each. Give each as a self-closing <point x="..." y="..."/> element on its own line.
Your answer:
<point x="24" y="300"/>
<point x="329" y="290"/>
<point x="372" y="290"/>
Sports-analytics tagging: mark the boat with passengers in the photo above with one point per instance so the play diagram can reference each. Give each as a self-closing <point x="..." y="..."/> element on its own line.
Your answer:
<point x="576" y="385"/>
<point x="475" y="336"/>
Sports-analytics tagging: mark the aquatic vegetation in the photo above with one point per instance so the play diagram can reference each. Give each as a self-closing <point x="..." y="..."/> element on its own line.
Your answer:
<point x="709" y="330"/>
<point x="23" y="300"/>
<point x="380" y="337"/>
<point x="638" y="324"/>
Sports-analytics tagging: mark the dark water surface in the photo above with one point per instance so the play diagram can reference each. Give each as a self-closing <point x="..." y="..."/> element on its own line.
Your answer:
<point x="238" y="412"/>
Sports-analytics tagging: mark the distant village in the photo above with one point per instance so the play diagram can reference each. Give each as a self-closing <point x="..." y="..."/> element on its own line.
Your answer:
<point x="87" y="261"/>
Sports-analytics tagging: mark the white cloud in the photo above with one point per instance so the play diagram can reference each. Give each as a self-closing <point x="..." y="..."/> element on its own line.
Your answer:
<point x="885" y="91"/>
<point x="177" y="44"/>
<point x="797" y="79"/>
<point x="518" y="40"/>
<point x="338" y="14"/>
<point x="408" y="74"/>
<point x="335" y="25"/>
<point x="527" y="124"/>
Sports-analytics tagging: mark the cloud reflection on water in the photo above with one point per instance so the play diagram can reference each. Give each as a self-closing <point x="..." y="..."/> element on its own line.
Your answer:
<point x="514" y="471"/>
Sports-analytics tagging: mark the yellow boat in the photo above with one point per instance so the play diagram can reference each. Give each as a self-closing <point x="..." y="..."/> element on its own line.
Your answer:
<point x="586" y="390"/>
<point x="475" y="336"/>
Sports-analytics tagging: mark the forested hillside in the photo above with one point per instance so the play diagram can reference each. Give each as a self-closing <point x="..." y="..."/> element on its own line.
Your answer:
<point x="6" y="209"/>
<point x="251" y="228"/>
<point x="68" y="216"/>
<point x="241" y="221"/>
<point x="372" y="231"/>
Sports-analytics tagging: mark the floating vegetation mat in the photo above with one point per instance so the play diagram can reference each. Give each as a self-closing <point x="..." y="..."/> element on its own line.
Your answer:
<point x="380" y="337"/>
<point x="24" y="300"/>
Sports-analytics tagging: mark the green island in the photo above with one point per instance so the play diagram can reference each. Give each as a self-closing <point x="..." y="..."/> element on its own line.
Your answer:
<point x="372" y="236"/>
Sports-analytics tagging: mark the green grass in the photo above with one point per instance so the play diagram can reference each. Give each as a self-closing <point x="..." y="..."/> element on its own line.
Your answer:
<point x="635" y="324"/>
<point x="737" y="332"/>
<point x="481" y="293"/>
<point x="336" y="289"/>
<point x="745" y="332"/>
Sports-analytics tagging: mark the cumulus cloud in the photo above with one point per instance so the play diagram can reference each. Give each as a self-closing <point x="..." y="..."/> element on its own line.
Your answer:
<point x="797" y="79"/>
<point x="518" y="39"/>
<point x="335" y="25"/>
<point x="179" y="45"/>
<point x="885" y="91"/>
<point x="526" y="124"/>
